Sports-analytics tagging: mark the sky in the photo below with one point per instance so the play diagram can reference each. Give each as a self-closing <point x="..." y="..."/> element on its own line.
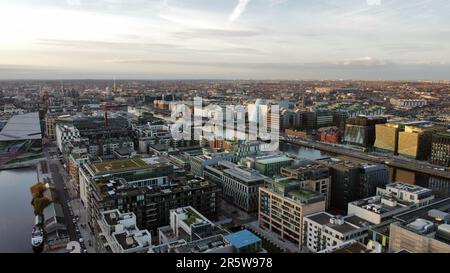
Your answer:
<point x="225" y="39"/>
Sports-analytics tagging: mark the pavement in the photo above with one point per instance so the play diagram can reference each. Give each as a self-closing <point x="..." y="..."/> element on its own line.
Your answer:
<point x="72" y="207"/>
<point x="238" y="216"/>
<point x="274" y="239"/>
<point x="82" y="226"/>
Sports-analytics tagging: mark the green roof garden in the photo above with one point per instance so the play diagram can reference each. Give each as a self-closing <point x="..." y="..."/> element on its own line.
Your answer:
<point x="120" y="165"/>
<point x="192" y="216"/>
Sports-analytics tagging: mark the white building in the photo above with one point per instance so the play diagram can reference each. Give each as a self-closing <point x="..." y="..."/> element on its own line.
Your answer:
<point x="65" y="133"/>
<point x="186" y="223"/>
<point x="395" y="199"/>
<point x="408" y="103"/>
<point x="324" y="231"/>
<point x="119" y="233"/>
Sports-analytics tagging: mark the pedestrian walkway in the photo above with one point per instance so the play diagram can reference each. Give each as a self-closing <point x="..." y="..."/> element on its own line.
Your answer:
<point x="273" y="238"/>
<point x="82" y="225"/>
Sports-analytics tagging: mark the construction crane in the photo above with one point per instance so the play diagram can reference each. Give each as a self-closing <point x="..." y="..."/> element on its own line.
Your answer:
<point x="106" y="107"/>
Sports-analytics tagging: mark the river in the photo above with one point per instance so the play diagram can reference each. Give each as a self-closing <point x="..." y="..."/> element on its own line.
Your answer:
<point x="16" y="212"/>
<point x="440" y="186"/>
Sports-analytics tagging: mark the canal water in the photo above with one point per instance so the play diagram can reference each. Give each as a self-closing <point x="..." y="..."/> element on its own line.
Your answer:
<point x="16" y="212"/>
<point x="440" y="186"/>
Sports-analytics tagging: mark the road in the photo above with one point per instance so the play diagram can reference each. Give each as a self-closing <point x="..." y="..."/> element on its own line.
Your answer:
<point x="71" y="204"/>
<point x="58" y="180"/>
<point x="389" y="160"/>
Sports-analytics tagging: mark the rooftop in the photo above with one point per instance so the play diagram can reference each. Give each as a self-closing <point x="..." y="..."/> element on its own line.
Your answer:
<point x="120" y="165"/>
<point x="242" y="238"/>
<point x="242" y="173"/>
<point x="341" y="224"/>
<point x="376" y="204"/>
<point x="407" y="187"/>
<point x="354" y="247"/>
<point x="22" y="127"/>
<point x="291" y="188"/>
<point x="274" y="159"/>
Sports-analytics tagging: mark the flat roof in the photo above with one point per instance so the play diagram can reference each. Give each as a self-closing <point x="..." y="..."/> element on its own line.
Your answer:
<point x="22" y="127"/>
<point x="370" y="203"/>
<point x="120" y="165"/>
<point x="242" y="173"/>
<point x="321" y="218"/>
<point x="350" y="222"/>
<point x="242" y="238"/>
<point x="356" y="247"/>
<point x="274" y="159"/>
<point x="408" y="187"/>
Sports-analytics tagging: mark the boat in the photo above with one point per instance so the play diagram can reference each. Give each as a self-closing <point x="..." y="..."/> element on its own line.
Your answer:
<point x="39" y="202"/>
<point x="37" y="239"/>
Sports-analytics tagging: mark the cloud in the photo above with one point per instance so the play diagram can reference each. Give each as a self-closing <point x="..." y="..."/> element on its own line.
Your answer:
<point x="238" y="10"/>
<point x="215" y="32"/>
<point x="277" y="2"/>
<point x="373" y="2"/>
<point x="73" y="2"/>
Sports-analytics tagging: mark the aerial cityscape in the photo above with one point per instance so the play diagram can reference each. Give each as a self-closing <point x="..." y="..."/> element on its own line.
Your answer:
<point x="216" y="128"/>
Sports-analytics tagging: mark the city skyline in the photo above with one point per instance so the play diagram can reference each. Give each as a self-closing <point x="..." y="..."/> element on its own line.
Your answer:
<point x="236" y="39"/>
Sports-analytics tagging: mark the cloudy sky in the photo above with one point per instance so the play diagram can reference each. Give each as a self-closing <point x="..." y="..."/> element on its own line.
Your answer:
<point x="229" y="39"/>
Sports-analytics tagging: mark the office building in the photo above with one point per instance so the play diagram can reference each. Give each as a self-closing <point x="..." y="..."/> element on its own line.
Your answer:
<point x="416" y="141"/>
<point x="395" y="199"/>
<point x="387" y="137"/>
<point x="440" y="149"/>
<point x="329" y="135"/>
<point x="199" y="162"/>
<point x="312" y="176"/>
<point x="423" y="230"/>
<point x="408" y="103"/>
<point x="271" y="165"/>
<point x="388" y="134"/>
<point x="21" y="139"/>
<point x="360" y="130"/>
<point x="351" y="180"/>
<point x="65" y="133"/>
<point x="240" y="185"/>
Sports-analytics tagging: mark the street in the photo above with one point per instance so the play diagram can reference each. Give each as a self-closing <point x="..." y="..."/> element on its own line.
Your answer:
<point x="74" y="212"/>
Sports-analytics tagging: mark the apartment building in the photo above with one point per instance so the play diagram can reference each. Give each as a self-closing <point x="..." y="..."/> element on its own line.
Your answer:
<point x="282" y="206"/>
<point x="119" y="234"/>
<point x="312" y="176"/>
<point x="324" y="231"/>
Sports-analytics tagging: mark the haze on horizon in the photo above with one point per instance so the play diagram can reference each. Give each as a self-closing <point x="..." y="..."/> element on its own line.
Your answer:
<point x="229" y="39"/>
